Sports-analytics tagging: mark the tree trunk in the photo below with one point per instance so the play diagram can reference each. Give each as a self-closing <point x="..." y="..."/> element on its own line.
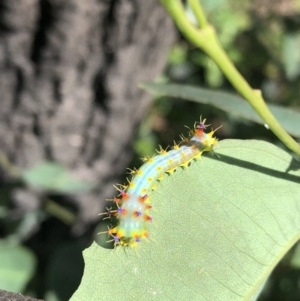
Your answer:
<point x="7" y="296"/>
<point x="69" y="75"/>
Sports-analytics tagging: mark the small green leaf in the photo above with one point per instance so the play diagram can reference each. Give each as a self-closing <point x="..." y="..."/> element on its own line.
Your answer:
<point x="289" y="118"/>
<point x="17" y="265"/>
<point x="54" y="177"/>
<point x="291" y="55"/>
<point x="219" y="228"/>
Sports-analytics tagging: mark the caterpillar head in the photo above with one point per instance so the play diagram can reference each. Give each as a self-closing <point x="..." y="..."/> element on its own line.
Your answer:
<point x="203" y="141"/>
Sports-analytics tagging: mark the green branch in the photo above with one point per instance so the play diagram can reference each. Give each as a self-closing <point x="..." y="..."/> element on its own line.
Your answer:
<point x="198" y="12"/>
<point x="206" y="39"/>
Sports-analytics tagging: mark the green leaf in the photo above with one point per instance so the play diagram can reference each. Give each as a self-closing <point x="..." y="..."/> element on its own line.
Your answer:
<point x="52" y="176"/>
<point x="291" y="56"/>
<point x="288" y="118"/>
<point x="17" y="265"/>
<point x="219" y="228"/>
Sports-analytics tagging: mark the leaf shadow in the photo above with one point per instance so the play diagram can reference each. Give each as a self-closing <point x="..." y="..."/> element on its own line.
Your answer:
<point x="294" y="164"/>
<point x="258" y="168"/>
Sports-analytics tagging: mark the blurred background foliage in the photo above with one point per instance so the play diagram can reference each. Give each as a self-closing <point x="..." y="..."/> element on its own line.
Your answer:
<point x="263" y="40"/>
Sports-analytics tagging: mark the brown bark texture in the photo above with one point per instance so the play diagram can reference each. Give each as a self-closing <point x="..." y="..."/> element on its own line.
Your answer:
<point x="69" y="75"/>
<point x="7" y="296"/>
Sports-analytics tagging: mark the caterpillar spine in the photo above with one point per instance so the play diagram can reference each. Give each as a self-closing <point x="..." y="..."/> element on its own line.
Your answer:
<point x="133" y="201"/>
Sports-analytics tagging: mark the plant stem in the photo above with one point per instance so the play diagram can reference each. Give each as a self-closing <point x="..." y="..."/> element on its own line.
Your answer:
<point x="8" y="167"/>
<point x="61" y="213"/>
<point x="199" y="14"/>
<point x="206" y="39"/>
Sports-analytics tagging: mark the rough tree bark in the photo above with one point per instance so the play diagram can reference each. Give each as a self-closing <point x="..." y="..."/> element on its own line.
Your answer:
<point x="69" y="72"/>
<point x="69" y="75"/>
<point x="7" y="296"/>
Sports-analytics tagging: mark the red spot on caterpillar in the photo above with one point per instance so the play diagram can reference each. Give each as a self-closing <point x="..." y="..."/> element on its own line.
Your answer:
<point x="142" y="199"/>
<point x="116" y="201"/>
<point x="148" y="218"/>
<point x="123" y="194"/>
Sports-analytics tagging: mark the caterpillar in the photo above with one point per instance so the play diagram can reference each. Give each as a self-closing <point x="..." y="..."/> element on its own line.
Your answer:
<point x="133" y="202"/>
